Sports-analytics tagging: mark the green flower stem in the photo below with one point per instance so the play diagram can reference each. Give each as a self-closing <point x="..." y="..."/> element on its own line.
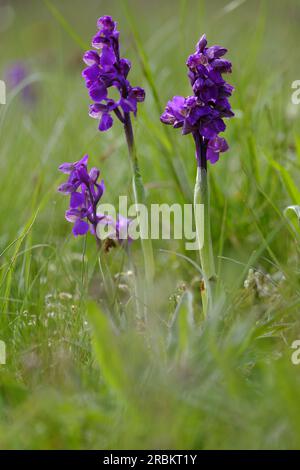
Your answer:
<point x="139" y="198"/>
<point x="201" y="196"/>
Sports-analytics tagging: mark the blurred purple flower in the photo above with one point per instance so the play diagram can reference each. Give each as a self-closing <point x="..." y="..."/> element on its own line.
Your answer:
<point x="117" y="229"/>
<point x="202" y="114"/>
<point x="107" y="69"/>
<point x="15" y="74"/>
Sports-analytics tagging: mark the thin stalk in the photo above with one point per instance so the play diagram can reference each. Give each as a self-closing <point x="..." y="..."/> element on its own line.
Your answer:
<point x="137" y="300"/>
<point x="203" y="230"/>
<point x="93" y="219"/>
<point x="139" y="198"/>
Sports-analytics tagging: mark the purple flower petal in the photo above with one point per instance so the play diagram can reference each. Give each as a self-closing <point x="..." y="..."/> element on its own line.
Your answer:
<point x="106" y="122"/>
<point x="72" y="215"/>
<point x="80" y="227"/>
<point x="66" y="188"/>
<point x="202" y="43"/>
<point x="91" y="58"/>
<point x="212" y="156"/>
<point x="96" y="110"/>
<point x="98" y="93"/>
<point x="66" y="167"/>
<point x="94" y="174"/>
<point x="215" y="52"/>
<point x="91" y="73"/>
<point x="215" y="147"/>
<point x="125" y="65"/>
<point x="223" y="66"/>
<point x="128" y="105"/>
<point x="219" y="125"/>
<point x="83" y="161"/>
<point x="208" y="131"/>
<point x="83" y="175"/>
<point x="106" y="23"/>
<point x="76" y="200"/>
<point x="167" y="118"/>
<point x="138" y="93"/>
<point x="218" y="144"/>
<point x="98" y="41"/>
<point x="100" y="188"/>
<point x="107" y="58"/>
<point x="122" y="226"/>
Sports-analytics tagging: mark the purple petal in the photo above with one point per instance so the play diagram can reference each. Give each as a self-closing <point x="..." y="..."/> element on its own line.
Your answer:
<point x="198" y="112"/>
<point x="96" y="111"/>
<point x="202" y="43"/>
<point x="138" y="93"/>
<point x="223" y="66"/>
<point x="106" y="122"/>
<point x="94" y="174"/>
<point x="80" y="227"/>
<point x="128" y="105"/>
<point x="98" y="41"/>
<point x="100" y="188"/>
<point x="83" y="161"/>
<point x="212" y="155"/>
<point x="91" y="58"/>
<point x="177" y="104"/>
<point x="191" y="101"/>
<point x="66" y="167"/>
<point x="208" y="131"/>
<point x="167" y="118"/>
<point x="125" y="65"/>
<point x="76" y="200"/>
<point x="66" y="188"/>
<point x="111" y="105"/>
<point x="219" y="125"/>
<point x="196" y="60"/>
<point x="215" y="146"/>
<point x="122" y="226"/>
<point x="98" y="93"/>
<point x="218" y="144"/>
<point x="106" y="23"/>
<point x="215" y="52"/>
<point x="107" y="57"/>
<point x="72" y="215"/>
<point x="91" y="73"/>
<point x="226" y="90"/>
<point x="216" y="77"/>
<point x="83" y="175"/>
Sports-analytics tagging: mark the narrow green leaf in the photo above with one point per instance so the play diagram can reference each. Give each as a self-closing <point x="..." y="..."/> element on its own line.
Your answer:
<point x="65" y="24"/>
<point x="107" y="349"/>
<point x="288" y="182"/>
<point x="182" y="325"/>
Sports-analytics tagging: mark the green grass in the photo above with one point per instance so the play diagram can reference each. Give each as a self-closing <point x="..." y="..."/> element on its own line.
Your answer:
<point x="82" y="371"/>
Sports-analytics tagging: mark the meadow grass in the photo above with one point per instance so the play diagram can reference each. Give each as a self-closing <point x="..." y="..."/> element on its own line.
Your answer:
<point x="82" y="371"/>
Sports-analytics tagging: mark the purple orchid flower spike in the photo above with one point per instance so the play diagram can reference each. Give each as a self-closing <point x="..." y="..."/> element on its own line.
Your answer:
<point x="106" y="69"/>
<point x="85" y="193"/>
<point x="203" y="113"/>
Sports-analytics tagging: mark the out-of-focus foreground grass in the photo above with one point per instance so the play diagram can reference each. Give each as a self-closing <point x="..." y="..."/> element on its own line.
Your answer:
<point x="71" y="379"/>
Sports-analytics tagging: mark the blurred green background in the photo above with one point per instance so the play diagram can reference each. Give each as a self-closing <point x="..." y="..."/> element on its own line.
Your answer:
<point x="178" y="381"/>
